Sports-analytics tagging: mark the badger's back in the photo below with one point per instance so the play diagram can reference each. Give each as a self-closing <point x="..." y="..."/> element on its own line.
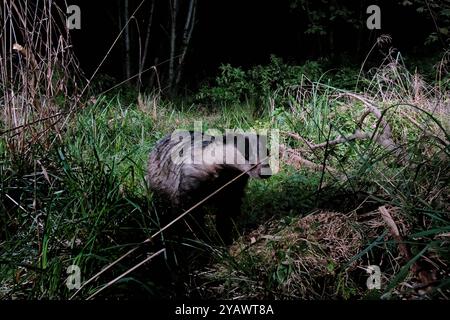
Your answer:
<point x="177" y="181"/>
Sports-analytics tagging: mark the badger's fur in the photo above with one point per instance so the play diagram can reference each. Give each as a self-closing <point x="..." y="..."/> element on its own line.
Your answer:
<point x="184" y="169"/>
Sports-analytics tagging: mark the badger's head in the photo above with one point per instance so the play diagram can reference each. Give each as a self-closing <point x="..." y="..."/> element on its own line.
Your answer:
<point x="244" y="152"/>
<point x="251" y="153"/>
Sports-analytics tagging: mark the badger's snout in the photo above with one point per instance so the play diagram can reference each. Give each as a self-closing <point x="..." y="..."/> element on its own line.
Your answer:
<point x="265" y="171"/>
<point x="261" y="171"/>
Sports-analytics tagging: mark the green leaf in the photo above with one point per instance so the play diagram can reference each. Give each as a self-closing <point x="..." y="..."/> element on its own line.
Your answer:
<point x="443" y="31"/>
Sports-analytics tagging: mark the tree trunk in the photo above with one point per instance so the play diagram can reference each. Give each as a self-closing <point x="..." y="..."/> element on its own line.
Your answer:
<point x="146" y="43"/>
<point x="127" y="41"/>
<point x="173" y="37"/>
<point x="187" y="35"/>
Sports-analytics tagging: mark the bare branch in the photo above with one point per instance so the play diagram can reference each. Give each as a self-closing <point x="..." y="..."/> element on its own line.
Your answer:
<point x="424" y="276"/>
<point x="385" y="137"/>
<point x="296" y="136"/>
<point x="296" y="158"/>
<point x="358" y="135"/>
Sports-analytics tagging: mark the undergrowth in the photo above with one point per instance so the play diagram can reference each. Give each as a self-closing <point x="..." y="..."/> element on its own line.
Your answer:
<point x="308" y="232"/>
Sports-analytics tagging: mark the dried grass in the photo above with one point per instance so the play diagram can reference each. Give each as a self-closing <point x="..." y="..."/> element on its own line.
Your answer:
<point x="39" y="74"/>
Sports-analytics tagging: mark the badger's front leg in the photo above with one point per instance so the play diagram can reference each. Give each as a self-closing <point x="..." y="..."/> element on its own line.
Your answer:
<point x="229" y="208"/>
<point x="225" y="221"/>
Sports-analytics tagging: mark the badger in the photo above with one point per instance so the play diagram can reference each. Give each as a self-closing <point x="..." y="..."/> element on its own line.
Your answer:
<point x="185" y="167"/>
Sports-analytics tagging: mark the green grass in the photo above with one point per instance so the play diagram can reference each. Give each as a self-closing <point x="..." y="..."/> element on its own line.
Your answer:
<point x="84" y="201"/>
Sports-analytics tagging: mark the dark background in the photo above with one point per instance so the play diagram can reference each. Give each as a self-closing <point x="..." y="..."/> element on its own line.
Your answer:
<point x="246" y="33"/>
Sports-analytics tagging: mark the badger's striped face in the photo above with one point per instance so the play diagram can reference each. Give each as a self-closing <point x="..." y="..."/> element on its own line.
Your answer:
<point x="242" y="151"/>
<point x="255" y="153"/>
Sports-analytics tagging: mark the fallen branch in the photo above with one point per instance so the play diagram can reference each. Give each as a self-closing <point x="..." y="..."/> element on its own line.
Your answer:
<point x="358" y="135"/>
<point x="296" y="158"/>
<point x="385" y="137"/>
<point x="296" y="136"/>
<point x="423" y="275"/>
